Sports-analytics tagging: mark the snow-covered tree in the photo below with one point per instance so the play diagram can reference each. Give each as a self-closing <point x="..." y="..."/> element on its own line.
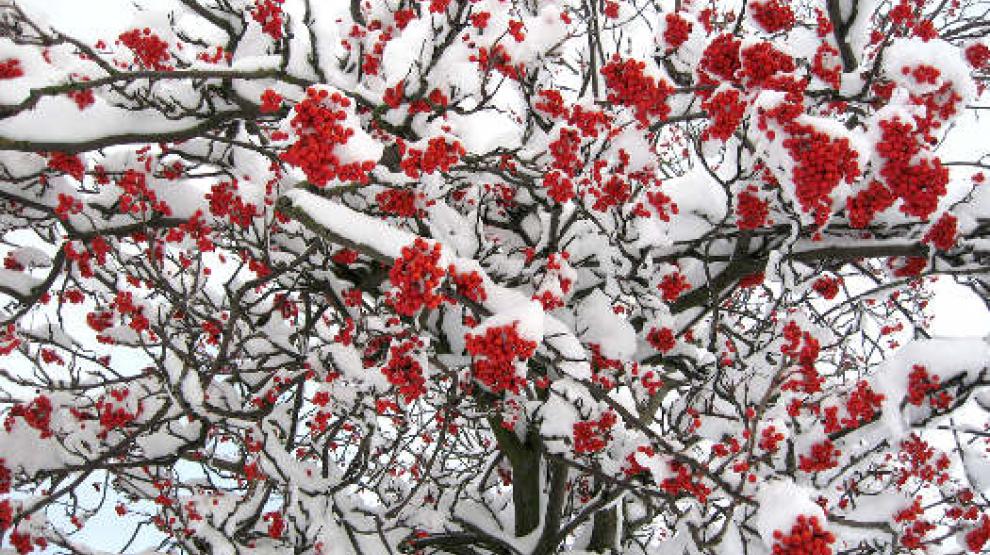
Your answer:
<point x="514" y="277"/>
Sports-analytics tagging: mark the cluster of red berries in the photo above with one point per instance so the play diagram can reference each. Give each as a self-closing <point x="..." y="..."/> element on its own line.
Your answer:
<point x="978" y="55"/>
<point x="497" y="58"/>
<point x="826" y="65"/>
<point x="683" y="481"/>
<point x="820" y="164"/>
<point x="861" y="408"/>
<point x="672" y="286"/>
<point x="720" y="59"/>
<point x="468" y="285"/>
<point x="823" y="456"/>
<point x="124" y="304"/>
<point x="827" y="286"/>
<point x="68" y="164"/>
<point x="439" y="155"/>
<point x="975" y="538"/>
<point x="772" y="15"/>
<point x="268" y="13"/>
<point x="137" y="197"/>
<point x="559" y="187"/>
<point x="761" y="62"/>
<point x="677" y="32"/>
<point x="404" y="372"/>
<point x="591" y="436"/>
<point x="630" y="86"/>
<point x="11" y="69"/>
<point x="921" y="461"/>
<point x="807" y="537"/>
<point x="863" y="206"/>
<point x="923" y="385"/>
<point x="496" y="353"/>
<point x="751" y="210"/>
<point x="416" y="278"/>
<point x="318" y="126"/>
<point x="805" y="348"/>
<point x="398" y="202"/>
<point x="37" y="414"/>
<point x="83" y="98"/>
<point x="725" y="109"/>
<point x="943" y="234"/>
<point x="770" y="439"/>
<point x="150" y="51"/>
<point x="662" y="339"/>
<point x="226" y="203"/>
<point x="271" y="102"/>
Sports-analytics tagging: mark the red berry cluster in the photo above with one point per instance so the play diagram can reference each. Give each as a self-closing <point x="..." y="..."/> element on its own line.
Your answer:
<point x="499" y="59"/>
<point x="630" y="86"/>
<point x="318" y="126"/>
<point x="823" y="456"/>
<point x="772" y="15"/>
<point x="439" y="6"/>
<point x="124" y="304"/>
<point x="495" y="355"/>
<point x="826" y="65"/>
<point x="268" y="13"/>
<point x="468" y="285"/>
<point x="271" y="102"/>
<point x="564" y="151"/>
<point x="751" y="211"/>
<point x="677" y="32"/>
<point x="68" y="164"/>
<point x="416" y="278"/>
<point x="923" y="385"/>
<point x="907" y="267"/>
<point x="725" y="109"/>
<point x="682" y="481"/>
<point x="276" y="526"/>
<point x="919" y="184"/>
<point x="978" y="55"/>
<point x="975" y="538"/>
<point x="591" y="436"/>
<point x="672" y="286"/>
<point x="861" y="408"/>
<point x="662" y="339"/>
<point x="10" y="69"/>
<point x="83" y="98"/>
<point x="919" y="460"/>
<point x="807" y="537"/>
<point x="720" y="59"/>
<point x="226" y="203"/>
<point x="827" y="286"/>
<point x="805" y="348"/>
<point x="398" y="202"/>
<point x="439" y="155"/>
<point x="866" y="204"/>
<point x="404" y="372"/>
<point x="943" y="234"/>
<point x="111" y="416"/>
<point x="820" y="164"/>
<point x="913" y="535"/>
<point x="480" y="20"/>
<point x="663" y="205"/>
<point x="150" y="51"/>
<point x="37" y="414"/>
<point x="770" y="439"/>
<point x="761" y="62"/>
<point x="559" y="187"/>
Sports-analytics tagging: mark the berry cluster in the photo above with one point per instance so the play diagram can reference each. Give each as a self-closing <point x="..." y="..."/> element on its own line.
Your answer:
<point x="805" y="348"/>
<point x="416" y="278"/>
<point x="820" y="164"/>
<point x="807" y="537"/>
<point x="36" y="414"/>
<point x="923" y="385"/>
<point x="662" y="339"/>
<point x="943" y="234"/>
<point x="677" y="32"/>
<point x="150" y="51"/>
<point x="318" y="126"/>
<point x="720" y="59"/>
<point x="672" y="286"/>
<point x="682" y="481"/>
<point x="10" y="69"/>
<point x="398" y="202"/>
<point x="591" y="436"/>
<point x="751" y="210"/>
<point x="630" y="86"/>
<point x="975" y="538"/>
<point x="772" y="15"/>
<point x="496" y="353"/>
<point x="271" y="102"/>
<point x="67" y="164"/>
<point x="861" y="408"/>
<point x="725" y="109"/>
<point x="226" y="203"/>
<point x="827" y="286"/>
<point x="978" y="55"/>
<point x="439" y="155"/>
<point x="404" y="372"/>
<point x="823" y="456"/>
<point x="268" y="13"/>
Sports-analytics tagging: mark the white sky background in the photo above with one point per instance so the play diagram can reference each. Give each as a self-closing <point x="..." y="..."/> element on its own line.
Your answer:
<point x="956" y="311"/>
